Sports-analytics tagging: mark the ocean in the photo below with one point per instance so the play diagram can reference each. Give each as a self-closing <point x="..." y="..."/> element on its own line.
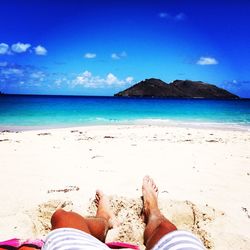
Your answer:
<point x="34" y="111"/>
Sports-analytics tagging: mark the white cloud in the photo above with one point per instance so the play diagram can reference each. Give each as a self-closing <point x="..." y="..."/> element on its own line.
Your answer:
<point x="38" y="75"/>
<point x="40" y="50"/>
<point x="112" y="79"/>
<point x="129" y="79"/>
<point x="207" y="61"/>
<point x="87" y="74"/>
<point x="20" y="47"/>
<point x="58" y="82"/>
<point x="88" y="80"/>
<point x="4" y="48"/>
<point x="90" y="55"/>
<point x="26" y="75"/>
<point x="117" y="56"/>
<point x="12" y="71"/>
<point x="85" y="79"/>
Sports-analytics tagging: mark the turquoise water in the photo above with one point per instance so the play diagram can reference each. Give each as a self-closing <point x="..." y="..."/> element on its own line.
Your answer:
<point x="73" y="111"/>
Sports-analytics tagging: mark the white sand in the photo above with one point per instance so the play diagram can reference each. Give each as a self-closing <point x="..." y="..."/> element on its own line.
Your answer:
<point x="203" y="176"/>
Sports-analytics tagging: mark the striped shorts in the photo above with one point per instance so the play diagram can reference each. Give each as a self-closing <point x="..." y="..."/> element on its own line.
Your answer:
<point x="179" y="240"/>
<point x="73" y="239"/>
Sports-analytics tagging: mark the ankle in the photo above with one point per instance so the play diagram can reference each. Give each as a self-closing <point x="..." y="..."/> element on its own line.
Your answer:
<point x="103" y="215"/>
<point x="152" y="214"/>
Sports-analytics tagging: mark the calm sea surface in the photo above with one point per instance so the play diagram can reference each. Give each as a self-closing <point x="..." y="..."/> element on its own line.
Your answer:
<point x="63" y="111"/>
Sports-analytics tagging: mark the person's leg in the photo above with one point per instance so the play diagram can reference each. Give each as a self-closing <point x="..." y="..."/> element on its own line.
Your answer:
<point x="156" y="224"/>
<point x="62" y="219"/>
<point x="96" y="226"/>
<point x="104" y="219"/>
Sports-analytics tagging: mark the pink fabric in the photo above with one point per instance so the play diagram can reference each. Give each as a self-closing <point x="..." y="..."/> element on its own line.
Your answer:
<point x="17" y="242"/>
<point x="117" y="245"/>
<point x="12" y="242"/>
<point x="38" y="243"/>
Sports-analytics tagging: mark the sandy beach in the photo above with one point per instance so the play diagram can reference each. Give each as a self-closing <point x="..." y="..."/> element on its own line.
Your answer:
<point x="203" y="176"/>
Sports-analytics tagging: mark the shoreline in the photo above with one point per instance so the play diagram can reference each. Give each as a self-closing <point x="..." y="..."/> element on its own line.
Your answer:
<point x="137" y="122"/>
<point x="202" y="174"/>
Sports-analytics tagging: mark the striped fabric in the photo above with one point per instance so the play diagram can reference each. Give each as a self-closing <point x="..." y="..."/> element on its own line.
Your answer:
<point x="179" y="240"/>
<point x="72" y="239"/>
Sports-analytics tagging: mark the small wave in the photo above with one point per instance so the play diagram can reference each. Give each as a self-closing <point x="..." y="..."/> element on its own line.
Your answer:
<point x="193" y="124"/>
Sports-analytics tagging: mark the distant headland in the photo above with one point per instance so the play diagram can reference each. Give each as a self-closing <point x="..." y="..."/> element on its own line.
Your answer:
<point x="177" y="89"/>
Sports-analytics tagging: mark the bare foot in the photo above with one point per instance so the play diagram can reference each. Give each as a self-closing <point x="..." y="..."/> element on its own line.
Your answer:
<point x="104" y="210"/>
<point x="150" y="194"/>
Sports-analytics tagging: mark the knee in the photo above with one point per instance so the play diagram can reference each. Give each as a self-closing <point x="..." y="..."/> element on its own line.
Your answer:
<point x="167" y="226"/>
<point x="57" y="216"/>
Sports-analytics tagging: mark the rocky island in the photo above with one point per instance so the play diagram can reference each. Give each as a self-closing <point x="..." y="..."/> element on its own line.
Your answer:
<point x="177" y="89"/>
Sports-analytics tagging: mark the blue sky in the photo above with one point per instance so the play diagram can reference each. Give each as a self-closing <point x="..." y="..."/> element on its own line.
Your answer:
<point x="100" y="47"/>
